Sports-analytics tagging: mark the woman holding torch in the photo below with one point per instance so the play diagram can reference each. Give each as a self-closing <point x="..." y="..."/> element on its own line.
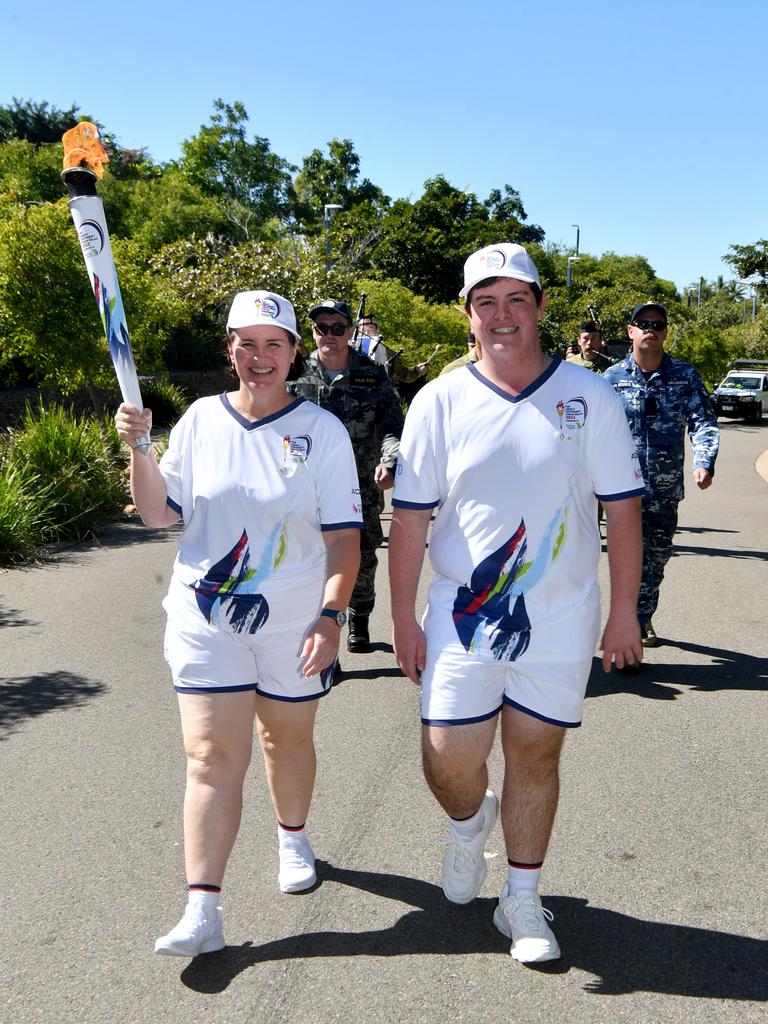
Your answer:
<point x="266" y="487"/>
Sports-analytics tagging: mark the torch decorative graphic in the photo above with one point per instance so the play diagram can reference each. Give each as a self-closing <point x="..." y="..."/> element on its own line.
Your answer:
<point x="84" y="157"/>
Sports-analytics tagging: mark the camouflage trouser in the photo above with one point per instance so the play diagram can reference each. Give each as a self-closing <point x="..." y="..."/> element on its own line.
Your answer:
<point x="659" y="525"/>
<point x="364" y="596"/>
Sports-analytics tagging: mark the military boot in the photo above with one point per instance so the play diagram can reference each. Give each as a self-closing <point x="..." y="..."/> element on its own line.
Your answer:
<point x="358" y="640"/>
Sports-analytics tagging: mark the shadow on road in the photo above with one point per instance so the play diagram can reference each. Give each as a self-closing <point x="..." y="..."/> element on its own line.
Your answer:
<point x="688" y="549"/>
<point x="624" y="953"/>
<point x="23" y="698"/>
<point x="13" y="617"/>
<point x="730" y="670"/>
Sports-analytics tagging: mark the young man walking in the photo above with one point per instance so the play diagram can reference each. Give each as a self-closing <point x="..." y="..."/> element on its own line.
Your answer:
<point x="513" y="452"/>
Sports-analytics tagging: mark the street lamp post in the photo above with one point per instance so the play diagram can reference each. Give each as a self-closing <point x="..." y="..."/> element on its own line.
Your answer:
<point x="329" y="212"/>
<point x="569" y="273"/>
<point x="577" y="238"/>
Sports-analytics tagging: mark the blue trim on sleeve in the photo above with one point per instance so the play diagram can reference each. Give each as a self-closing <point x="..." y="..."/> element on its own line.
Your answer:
<point x="399" y="503"/>
<point x="541" y="718"/>
<point x="328" y="527"/>
<point x="461" y="721"/>
<point x="172" y="504"/>
<point x="636" y="493"/>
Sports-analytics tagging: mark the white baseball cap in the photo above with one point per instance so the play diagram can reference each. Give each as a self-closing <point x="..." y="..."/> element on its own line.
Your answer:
<point x="249" y="309"/>
<point x="507" y="259"/>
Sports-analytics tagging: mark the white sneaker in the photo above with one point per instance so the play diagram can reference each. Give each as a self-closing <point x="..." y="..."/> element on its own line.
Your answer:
<point x="297" y="862"/>
<point x="523" y="919"/>
<point x="194" y="934"/>
<point x="464" y="861"/>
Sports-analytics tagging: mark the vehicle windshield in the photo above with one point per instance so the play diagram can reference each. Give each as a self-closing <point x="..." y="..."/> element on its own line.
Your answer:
<point x="742" y="383"/>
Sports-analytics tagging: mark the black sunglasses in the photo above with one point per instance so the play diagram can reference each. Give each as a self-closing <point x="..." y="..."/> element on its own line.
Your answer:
<point x="336" y="329"/>
<point x="651" y="325"/>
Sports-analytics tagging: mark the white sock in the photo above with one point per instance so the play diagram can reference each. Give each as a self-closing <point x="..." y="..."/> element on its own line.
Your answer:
<point x="292" y="837"/>
<point x="207" y="902"/>
<point x="470" y="827"/>
<point x="523" y="879"/>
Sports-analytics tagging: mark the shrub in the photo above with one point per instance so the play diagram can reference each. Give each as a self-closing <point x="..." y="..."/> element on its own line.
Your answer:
<point x="167" y="401"/>
<point x="73" y="458"/>
<point x="23" y="513"/>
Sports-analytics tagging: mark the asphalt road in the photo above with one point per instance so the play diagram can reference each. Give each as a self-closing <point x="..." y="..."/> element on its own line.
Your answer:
<point x="656" y="873"/>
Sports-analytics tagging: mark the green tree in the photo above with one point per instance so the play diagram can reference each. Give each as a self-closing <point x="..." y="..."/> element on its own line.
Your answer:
<point x="424" y="244"/>
<point x="29" y="173"/>
<point x="49" y="323"/>
<point x="35" y="122"/>
<point x="249" y="182"/>
<point x="333" y="179"/>
<point x="750" y="261"/>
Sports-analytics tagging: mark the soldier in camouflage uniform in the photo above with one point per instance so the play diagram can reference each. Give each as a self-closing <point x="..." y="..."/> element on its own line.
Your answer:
<point x="662" y="396"/>
<point x="590" y="343"/>
<point x="355" y="389"/>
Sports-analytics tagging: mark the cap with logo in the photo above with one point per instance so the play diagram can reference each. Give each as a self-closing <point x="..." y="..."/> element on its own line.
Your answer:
<point x="331" y="306"/>
<point x="249" y="309"/>
<point x="507" y="259"/>
<point x="648" y="305"/>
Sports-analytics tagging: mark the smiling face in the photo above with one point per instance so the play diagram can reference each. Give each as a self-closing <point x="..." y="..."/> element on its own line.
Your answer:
<point x="504" y="316"/>
<point x="262" y="356"/>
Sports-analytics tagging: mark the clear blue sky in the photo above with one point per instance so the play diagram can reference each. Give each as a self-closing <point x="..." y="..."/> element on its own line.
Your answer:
<point x="642" y="123"/>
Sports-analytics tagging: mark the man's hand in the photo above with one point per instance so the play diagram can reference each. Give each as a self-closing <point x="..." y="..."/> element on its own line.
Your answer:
<point x="410" y="649"/>
<point x="383" y="478"/>
<point x="702" y="477"/>
<point x="621" y="643"/>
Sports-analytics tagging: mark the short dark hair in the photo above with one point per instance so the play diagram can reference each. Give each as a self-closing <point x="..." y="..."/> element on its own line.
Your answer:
<point x="589" y="327"/>
<point x="537" y="292"/>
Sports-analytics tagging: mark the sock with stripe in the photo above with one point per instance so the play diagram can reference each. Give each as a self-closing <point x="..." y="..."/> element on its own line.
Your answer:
<point x="522" y="877"/>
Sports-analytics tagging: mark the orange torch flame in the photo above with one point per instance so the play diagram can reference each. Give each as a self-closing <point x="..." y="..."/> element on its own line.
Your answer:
<point x="82" y="148"/>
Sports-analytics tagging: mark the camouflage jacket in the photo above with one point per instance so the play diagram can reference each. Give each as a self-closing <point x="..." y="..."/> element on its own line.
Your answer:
<point x="366" y="403"/>
<point x="658" y="411"/>
<point x="597" y="365"/>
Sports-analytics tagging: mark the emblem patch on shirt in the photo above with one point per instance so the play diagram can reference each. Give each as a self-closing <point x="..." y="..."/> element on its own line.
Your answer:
<point x="572" y="414"/>
<point x="295" y="451"/>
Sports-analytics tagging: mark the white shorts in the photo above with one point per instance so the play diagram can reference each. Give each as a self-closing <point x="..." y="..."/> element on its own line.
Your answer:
<point x="206" y="657"/>
<point x="459" y="687"/>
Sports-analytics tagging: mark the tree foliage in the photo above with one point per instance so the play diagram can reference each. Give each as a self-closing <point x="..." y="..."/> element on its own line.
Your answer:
<point x="250" y="183"/>
<point x="37" y="123"/>
<point x="750" y="261"/>
<point x="424" y="244"/>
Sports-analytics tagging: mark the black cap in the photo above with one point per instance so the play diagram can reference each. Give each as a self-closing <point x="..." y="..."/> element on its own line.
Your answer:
<point x="331" y="306"/>
<point x="648" y="305"/>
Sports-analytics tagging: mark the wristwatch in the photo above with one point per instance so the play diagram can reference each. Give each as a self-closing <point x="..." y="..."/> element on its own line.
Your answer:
<point x="339" y="618"/>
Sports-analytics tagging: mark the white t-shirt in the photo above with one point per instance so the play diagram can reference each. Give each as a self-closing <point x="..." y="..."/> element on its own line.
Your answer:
<point x="256" y="498"/>
<point x="515" y="539"/>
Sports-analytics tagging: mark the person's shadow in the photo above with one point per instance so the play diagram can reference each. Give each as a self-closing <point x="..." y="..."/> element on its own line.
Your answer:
<point x="657" y="680"/>
<point x="624" y="953"/>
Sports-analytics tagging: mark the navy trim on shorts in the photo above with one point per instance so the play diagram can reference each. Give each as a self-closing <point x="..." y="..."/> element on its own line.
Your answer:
<point x="248" y="686"/>
<point x="541" y="718"/>
<point x="327" y="527"/>
<point x="620" y="497"/>
<point x="293" y="700"/>
<point x="399" y="503"/>
<point x="172" y="504"/>
<point x="214" y="689"/>
<point x="462" y="721"/>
